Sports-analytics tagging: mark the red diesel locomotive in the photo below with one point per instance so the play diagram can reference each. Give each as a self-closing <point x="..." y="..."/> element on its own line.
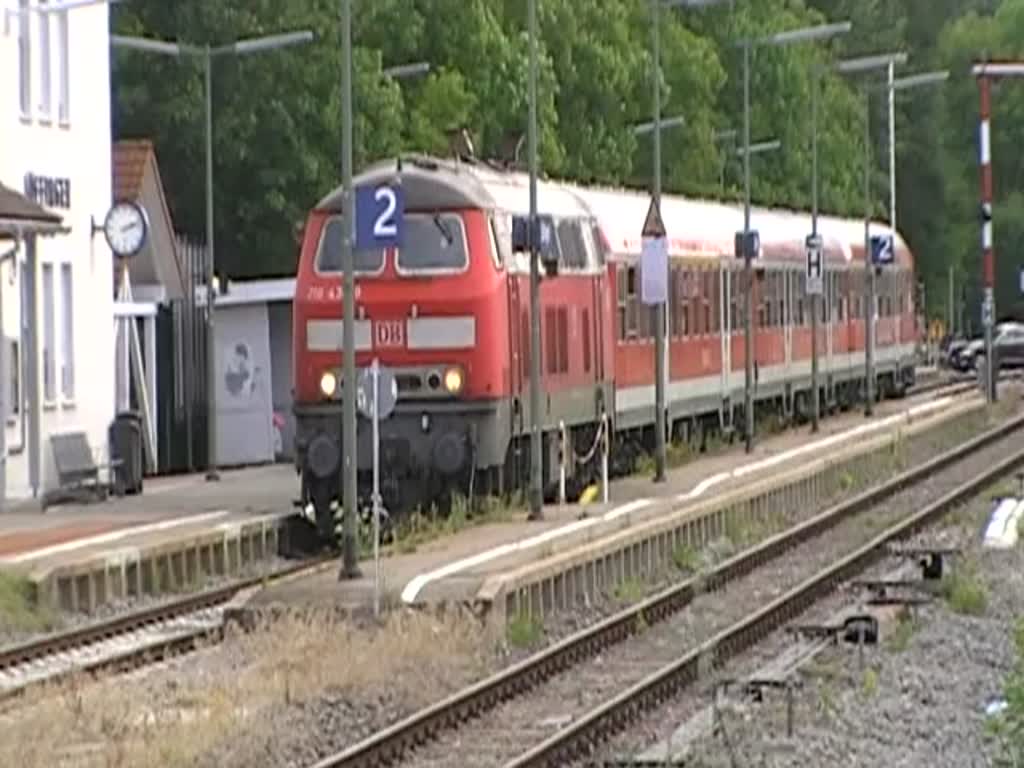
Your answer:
<point x="449" y="313"/>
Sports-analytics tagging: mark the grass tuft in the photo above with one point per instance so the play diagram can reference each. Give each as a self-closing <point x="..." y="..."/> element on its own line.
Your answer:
<point x="629" y="591"/>
<point x="902" y="633"/>
<point x="524" y="631"/>
<point x="20" y="611"/>
<point x="965" y="591"/>
<point x="223" y="714"/>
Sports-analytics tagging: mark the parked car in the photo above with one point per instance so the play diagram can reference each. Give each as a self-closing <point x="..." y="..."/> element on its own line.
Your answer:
<point x="951" y="349"/>
<point x="1007" y="338"/>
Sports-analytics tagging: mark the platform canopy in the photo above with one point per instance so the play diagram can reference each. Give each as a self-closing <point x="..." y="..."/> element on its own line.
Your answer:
<point x="20" y="216"/>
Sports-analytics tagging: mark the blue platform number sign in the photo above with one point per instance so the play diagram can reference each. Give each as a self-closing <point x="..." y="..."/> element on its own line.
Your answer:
<point x="380" y="210"/>
<point x="882" y="251"/>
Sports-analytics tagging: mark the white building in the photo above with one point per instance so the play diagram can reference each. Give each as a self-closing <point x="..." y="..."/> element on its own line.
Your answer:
<point x="55" y="148"/>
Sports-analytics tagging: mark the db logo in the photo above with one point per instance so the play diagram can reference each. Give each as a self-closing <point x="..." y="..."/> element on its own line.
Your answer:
<point x="389" y="333"/>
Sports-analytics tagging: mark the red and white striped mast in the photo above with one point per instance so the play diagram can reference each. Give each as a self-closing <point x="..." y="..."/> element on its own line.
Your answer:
<point x="985" y="73"/>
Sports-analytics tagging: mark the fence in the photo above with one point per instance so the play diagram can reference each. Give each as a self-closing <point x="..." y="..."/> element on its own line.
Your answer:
<point x="181" y="330"/>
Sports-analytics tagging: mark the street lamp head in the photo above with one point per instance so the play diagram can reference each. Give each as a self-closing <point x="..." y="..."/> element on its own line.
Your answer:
<point x="808" y="34"/>
<point x="270" y="42"/>
<point x="693" y="3"/>
<point x="729" y="134"/>
<point x="407" y="70"/>
<point x="147" y="45"/>
<point x="760" y="147"/>
<point x="668" y="122"/>
<point x="925" y="78"/>
<point x="865" y="63"/>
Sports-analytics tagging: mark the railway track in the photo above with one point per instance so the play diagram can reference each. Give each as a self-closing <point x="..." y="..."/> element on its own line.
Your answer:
<point x="130" y="640"/>
<point x="558" y="704"/>
<point x="151" y="634"/>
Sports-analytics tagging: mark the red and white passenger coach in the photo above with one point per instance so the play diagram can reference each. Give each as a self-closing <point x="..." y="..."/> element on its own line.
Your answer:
<point x="449" y="313"/>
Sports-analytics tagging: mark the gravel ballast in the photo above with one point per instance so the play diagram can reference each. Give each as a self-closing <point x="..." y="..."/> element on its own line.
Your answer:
<point x="311" y="712"/>
<point x="918" y="698"/>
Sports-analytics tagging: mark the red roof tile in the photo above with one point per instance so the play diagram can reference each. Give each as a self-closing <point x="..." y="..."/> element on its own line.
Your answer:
<point x="129" y="160"/>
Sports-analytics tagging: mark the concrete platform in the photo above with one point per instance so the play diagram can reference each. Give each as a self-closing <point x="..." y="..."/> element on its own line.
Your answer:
<point x="82" y="555"/>
<point x="517" y="566"/>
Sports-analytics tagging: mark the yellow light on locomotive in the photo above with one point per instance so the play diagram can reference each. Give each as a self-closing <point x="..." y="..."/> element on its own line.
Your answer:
<point x="453" y="381"/>
<point x="328" y="384"/>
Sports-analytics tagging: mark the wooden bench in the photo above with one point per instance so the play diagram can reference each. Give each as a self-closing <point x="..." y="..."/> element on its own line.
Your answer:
<point x="78" y="474"/>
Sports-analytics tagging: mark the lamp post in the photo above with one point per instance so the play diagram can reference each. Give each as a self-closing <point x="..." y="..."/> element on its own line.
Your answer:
<point x="349" y="474"/>
<point x="819" y="254"/>
<point x="852" y="66"/>
<point x="207" y="53"/>
<point x="659" y="313"/>
<point x="788" y="37"/>
<point x="536" y="492"/>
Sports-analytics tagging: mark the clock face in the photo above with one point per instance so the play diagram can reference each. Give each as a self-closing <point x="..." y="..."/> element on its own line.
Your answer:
<point x="126" y="229"/>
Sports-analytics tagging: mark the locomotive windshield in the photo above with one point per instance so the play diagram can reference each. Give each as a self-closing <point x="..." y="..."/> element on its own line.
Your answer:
<point x="433" y="243"/>
<point x="328" y="255"/>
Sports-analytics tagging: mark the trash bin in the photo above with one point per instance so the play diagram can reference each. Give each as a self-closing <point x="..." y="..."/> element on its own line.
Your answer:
<point x="126" y="448"/>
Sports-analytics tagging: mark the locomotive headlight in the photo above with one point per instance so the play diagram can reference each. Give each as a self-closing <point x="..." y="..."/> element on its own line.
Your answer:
<point x="328" y="384"/>
<point x="453" y="381"/>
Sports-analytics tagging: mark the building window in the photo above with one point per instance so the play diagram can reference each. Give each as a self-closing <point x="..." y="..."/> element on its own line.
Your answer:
<point x="49" y="332"/>
<point x="45" y="81"/>
<point x="24" y="59"/>
<point x="67" y="338"/>
<point x="64" y="74"/>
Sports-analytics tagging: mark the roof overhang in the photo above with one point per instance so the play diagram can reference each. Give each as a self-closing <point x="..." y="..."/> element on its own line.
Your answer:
<point x="21" y="217"/>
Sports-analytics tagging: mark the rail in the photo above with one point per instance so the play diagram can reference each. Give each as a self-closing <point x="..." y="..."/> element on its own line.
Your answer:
<point x="615" y="714"/>
<point x="390" y="744"/>
<point x="52" y="645"/>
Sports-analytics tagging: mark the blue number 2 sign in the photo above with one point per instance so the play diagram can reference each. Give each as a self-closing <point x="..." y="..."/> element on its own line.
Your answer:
<point x="380" y="210"/>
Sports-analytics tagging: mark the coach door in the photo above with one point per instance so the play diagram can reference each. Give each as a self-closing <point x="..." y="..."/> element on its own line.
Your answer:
<point x="832" y="285"/>
<point x="725" y="304"/>
<point x="593" y="351"/>
<point x="792" y="280"/>
<point x="518" y="320"/>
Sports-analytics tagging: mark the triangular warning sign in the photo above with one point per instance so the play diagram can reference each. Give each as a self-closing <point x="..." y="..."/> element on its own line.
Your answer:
<point x="653" y="225"/>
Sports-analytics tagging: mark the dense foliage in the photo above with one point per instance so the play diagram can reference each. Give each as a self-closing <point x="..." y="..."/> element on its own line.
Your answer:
<point x="277" y="114"/>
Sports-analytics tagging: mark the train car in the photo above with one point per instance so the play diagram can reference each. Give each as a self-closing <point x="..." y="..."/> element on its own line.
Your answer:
<point x="449" y="313"/>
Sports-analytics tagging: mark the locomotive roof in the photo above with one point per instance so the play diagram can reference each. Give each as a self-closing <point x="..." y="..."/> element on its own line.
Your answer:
<point x="696" y="227"/>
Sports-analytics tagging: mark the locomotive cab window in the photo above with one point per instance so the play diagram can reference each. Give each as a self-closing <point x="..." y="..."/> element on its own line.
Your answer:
<point x="328" y="255"/>
<point x="433" y="243"/>
<point x="571" y="244"/>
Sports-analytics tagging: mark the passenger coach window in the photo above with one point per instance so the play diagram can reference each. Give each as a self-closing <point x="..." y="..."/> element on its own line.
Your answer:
<point x="328" y="256"/>
<point x="433" y="242"/>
